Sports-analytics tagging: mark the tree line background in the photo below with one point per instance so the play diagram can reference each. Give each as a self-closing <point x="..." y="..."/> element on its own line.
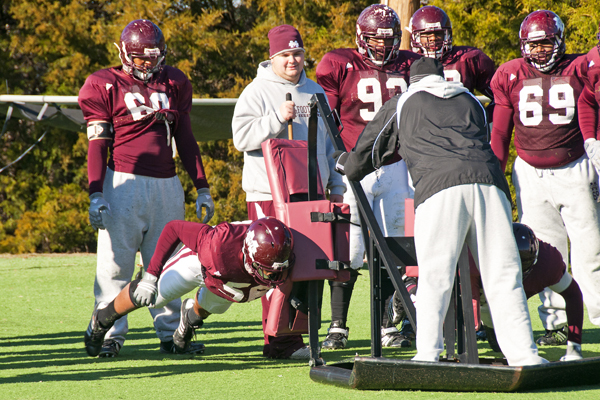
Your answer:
<point x="50" y="47"/>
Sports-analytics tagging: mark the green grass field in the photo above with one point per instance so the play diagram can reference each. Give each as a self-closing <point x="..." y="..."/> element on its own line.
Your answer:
<point x="46" y="302"/>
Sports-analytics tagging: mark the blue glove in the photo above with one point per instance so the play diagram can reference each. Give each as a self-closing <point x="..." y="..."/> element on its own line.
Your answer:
<point x="205" y="201"/>
<point x="98" y="206"/>
<point x="145" y="293"/>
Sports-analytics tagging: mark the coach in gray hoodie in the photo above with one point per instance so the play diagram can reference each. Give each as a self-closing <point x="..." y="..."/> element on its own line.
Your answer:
<point x="461" y="195"/>
<point x="262" y="112"/>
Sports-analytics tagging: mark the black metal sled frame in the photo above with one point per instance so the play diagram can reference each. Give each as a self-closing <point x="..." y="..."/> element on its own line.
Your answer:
<point x="461" y="369"/>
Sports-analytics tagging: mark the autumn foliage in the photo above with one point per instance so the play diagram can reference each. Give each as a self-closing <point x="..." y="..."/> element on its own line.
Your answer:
<point x="50" y="47"/>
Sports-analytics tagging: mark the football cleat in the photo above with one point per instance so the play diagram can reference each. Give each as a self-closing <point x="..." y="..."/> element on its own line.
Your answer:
<point x="556" y="337"/>
<point x="110" y="349"/>
<point x="302" y="353"/>
<point x="182" y="337"/>
<point x="169" y="348"/>
<point x="391" y="337"/>
<point x="573" y="352"/>
<point x="407" y="330"/>
<point x="490" y="334"/>
<point x="337" y="336"/>
<point x="94" y="336"/>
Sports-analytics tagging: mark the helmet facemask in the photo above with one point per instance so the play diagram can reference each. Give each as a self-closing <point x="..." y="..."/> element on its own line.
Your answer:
<point x="268" y="251"/>
<point x="381" y="47"/>
<point x="437" y="47"/>
<point x="142" y="39"/>
<point x="537" y="27"/>
<point x="378" y="34"/>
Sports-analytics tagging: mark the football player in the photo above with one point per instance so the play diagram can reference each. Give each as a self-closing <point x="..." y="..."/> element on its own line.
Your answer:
<point x="588" y="117"/>
<point x="543" y="267"/>
<point x="230" y="263"/>
<point x="134" y="113"/>
<point x="431" y="36"/>
<point x="555" y="181"/>
<point x="358" y="81"/>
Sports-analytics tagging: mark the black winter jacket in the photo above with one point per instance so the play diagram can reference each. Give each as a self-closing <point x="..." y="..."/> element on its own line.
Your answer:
<point x="440" y="131"/>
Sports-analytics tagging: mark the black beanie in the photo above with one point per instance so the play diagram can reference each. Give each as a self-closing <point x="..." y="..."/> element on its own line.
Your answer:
<point x="425" y="66"/>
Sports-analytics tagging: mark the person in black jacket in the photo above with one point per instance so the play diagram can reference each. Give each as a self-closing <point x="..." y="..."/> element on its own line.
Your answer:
<point x="461" y="194"/>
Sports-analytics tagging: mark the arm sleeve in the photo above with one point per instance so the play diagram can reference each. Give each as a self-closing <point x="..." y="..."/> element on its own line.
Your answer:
<point x="329" y="81"/>
<point x="97" y="161"/>
<point x="587" y="109"/>
<point x="174" y="232"/>
<point x="336" y="184"/>
<point x="375" y="145"/>
<point x="502" y="133"/>
<point x="188" y="150"/>
<point x="484" y="69"/>
<point x="187" y="147"/>
<point x="255" y="120"/>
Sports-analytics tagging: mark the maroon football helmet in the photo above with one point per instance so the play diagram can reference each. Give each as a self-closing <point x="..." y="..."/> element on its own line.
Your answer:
<point x="142" y="39"/>
<point x="528" y="245"/>
<point x="542" y="25"/>
<point x="378" y="23"/>
<point x="427" y="20"/>
<point x="268" y="251"/>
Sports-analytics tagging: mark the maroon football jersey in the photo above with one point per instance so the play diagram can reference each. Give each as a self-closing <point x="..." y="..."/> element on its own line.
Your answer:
<point x="547" y="271"/>
<point x="358" y="89"/>
<point x="591" y="72"/>
<point x="544" y="108"/>
<point x="470" y="66"/>
<point x="219" y="250"/>
<point x="140" y="145"/>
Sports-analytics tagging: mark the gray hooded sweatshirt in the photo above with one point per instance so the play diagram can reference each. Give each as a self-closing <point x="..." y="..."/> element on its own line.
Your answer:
<point x="440" y="131"/>
<point x="256" y="118"/>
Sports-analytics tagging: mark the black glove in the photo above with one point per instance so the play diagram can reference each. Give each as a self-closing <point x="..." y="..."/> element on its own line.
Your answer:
<point x="340" y="158"/>
<point x="163" y="115"/>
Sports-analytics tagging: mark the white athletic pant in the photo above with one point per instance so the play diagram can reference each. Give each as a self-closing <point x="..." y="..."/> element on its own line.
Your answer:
<point x="479" y="214"/>
<point x="140" y="207"/>
<point x="560" y="205"/>
<point x="385" y="189"/>
<point x="182" y="275"/>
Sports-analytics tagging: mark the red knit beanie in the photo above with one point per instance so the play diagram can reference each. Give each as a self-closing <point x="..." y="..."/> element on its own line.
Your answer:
<point x="284" y="38"/>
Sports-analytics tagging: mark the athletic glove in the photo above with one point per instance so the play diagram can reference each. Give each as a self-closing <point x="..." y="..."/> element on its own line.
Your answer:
<point x="145" y="293"/>
<point x="98" y="206"/>
<point x="592" y="148"/>
<point x="340" y="158"/>
<point x="204" y="200"/>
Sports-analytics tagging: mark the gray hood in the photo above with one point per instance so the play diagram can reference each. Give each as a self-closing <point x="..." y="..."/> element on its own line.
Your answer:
<point x="438" y="86"/>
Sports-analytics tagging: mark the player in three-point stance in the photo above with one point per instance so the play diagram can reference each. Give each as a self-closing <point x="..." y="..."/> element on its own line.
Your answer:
<point x="229" y="263"/>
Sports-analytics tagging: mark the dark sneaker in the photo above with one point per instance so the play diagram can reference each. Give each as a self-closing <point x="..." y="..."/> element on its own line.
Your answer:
<point x="337" y="336"/>
<point x="182" y="337"/>
<point x="553" y="338"/>
<point x="193" y="348"/>
<point x="94" y="336"/>
<point x="481" y="335"/>
<point x="396" y="312"/>
<point x="407" y="330"/>
<point x="490" y="334"/>
<point x="391" y="337"/>
<point x="110" y="349"/>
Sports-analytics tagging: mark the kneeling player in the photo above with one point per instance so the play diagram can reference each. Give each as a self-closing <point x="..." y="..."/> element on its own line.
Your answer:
<point x="543" y="267"/>
<point x="236" y="262"/>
